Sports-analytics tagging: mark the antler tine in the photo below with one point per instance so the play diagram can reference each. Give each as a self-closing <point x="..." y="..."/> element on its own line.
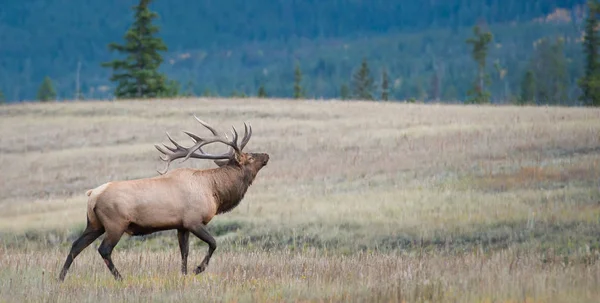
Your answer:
<point x="212" y="129"/>
<point x="193" y="136"/>
<point x="173" y="141"/>
<point x="161" y="149"/>
<point x="235" y="137"/>
<point x="247" y="135"/>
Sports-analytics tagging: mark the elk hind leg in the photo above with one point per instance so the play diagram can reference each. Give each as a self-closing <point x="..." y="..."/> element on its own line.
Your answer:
<point x="106" y="248"/>
<point x="202" y="233"/>
<point x="184" y="246"/>
<point x="87" y="237"/>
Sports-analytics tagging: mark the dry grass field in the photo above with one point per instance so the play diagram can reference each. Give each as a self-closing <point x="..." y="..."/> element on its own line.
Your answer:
<point x="360" y="202"/>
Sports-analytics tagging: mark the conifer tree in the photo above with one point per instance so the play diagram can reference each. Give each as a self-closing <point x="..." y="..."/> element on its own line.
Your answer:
<point x="549" y="66"/>
<point x="363" y="82"/>
<point x="344" y="92"/>
<point x="501" y="72"/>
<point x="298" y="89"/>
<point x="478" y="94"/>
<point x="527" y="89"/>
<point x="207" y="92"/>
<point x="262" y="92"/>
<point x="450" y="93"/>
<point x="46" y="91"/>
<point x="189" y="89"/>
<point x="590" y="81"/>
<point x="435" y="86"/>
<point x="384" y="86"/>
<point x="137" y="75"/>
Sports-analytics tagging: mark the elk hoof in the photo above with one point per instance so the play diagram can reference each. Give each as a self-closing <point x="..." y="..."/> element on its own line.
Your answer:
<point x="200" y="268"/>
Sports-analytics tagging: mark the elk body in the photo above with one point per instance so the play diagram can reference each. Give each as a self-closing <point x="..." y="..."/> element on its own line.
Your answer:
<point x="184" y="199"/>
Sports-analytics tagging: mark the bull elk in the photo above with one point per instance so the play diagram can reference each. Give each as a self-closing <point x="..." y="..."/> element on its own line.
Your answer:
<point x="184" y="199"/>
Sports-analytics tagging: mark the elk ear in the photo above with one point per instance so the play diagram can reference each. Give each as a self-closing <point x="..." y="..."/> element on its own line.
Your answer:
<point x="221" y="163"/>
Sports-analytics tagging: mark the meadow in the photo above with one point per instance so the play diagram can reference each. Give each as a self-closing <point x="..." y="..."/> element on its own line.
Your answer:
<point x="360" y="202"/>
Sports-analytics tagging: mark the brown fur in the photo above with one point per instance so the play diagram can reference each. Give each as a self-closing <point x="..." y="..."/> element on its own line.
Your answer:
<point x="184" y="199"/>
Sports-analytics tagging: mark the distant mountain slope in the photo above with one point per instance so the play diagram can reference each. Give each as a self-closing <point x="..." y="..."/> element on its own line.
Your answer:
<point x="40" y="38"/>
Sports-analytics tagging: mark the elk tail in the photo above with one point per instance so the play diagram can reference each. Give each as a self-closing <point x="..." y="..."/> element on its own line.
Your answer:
<point x="91" y="205"/>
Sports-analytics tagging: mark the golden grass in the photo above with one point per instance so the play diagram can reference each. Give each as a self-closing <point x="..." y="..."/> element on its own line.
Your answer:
<point x="360" y="201"/>
<point x="300" y="276"/>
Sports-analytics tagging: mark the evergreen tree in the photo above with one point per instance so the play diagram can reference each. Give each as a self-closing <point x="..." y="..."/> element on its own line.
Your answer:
<point x="478" y="93"/>
<point x="207" y="93"/>
<point x="298" y="90"/>
<point x="363" y="82"/>
<point x="262" y="93"/>
<point x="549" y="67"/>
<point x="435" y="86"/>
<point x="501" y="72"/>
<point x="590" y="82"/>
<point x="172" y="89"/>
<point x="344" y="92"/>
<point x="527" y="89"/>
<point x="385" y="92"/>
<point x="46" y="91"/>
<point x="137" y="76"/>
<point x="450" y="93"/>
<point x="418" y="91"/>
<point x="189" y="89"/>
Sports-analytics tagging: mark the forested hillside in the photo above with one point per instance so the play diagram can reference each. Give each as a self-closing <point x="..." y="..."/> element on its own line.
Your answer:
<point x="236" y="45"/>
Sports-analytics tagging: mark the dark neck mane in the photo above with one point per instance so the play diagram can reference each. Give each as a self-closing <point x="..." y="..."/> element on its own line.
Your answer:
<point x="230" y="184"/>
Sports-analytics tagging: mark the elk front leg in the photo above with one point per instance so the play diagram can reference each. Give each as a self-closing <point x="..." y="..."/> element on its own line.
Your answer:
<point x="202" y="233"/>
<point x="184" y="246"/>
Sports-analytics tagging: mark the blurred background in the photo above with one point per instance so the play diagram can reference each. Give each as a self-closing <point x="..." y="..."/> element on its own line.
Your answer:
<point x="233" y="47"/>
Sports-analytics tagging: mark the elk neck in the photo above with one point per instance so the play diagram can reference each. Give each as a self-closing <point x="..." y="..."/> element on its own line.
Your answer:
<point x="230" y="184"/>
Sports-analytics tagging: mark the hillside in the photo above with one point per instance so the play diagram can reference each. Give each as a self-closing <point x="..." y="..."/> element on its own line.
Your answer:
<point x="360" y="202"/>
<point x="237" y="45"/>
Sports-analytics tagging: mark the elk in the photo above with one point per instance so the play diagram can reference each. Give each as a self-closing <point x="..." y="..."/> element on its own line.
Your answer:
<point x="184" y="199"/>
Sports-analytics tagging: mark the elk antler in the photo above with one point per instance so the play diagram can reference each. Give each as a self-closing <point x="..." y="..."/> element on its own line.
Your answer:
<point x="196" y="151"/>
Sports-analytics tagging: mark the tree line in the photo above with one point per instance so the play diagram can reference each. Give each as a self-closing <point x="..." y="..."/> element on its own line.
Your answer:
<point x="544" y="82"/>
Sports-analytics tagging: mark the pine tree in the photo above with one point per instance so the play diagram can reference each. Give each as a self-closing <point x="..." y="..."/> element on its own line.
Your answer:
<point x="527" y="89"/>
<point x="189" y="89"/>
<point x="207" y="92"/>
<point x="549" y="66"/>
<point x="435" y="86"/>
<point x="590" y="81"/>
<point x="344" y="92"/>
<point x="137" y="76"/>
<point x="478" y="94"/>
<point x="501" y="72"/>
<point x="450" y="93"/>
<point x="363" y="82"/>
<point x="298" y="89"/>
<point x="262" y="93"/>
<point x="46" y="91"/>
<point x="384" y="86"/>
